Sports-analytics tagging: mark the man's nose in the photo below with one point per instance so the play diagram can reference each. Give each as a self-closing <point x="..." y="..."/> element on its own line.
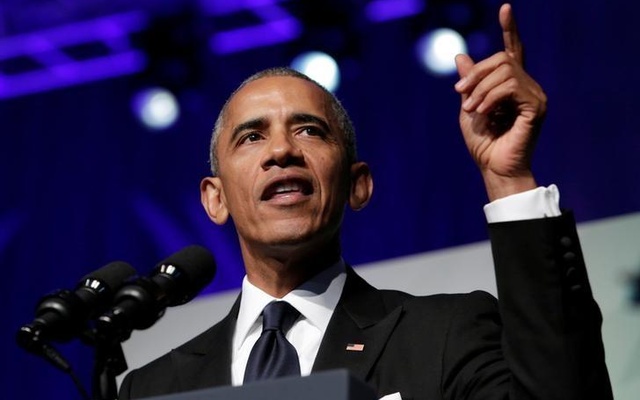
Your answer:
<point x="282" y="150"/>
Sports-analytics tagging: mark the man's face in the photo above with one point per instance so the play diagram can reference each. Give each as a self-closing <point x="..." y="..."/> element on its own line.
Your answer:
<point x="283" y="174"/>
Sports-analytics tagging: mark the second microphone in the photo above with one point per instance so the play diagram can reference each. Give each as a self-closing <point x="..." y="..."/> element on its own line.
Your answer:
<point x="174" y="281"/>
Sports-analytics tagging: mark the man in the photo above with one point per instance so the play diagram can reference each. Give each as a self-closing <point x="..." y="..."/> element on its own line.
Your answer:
<point x="284" y="163"/>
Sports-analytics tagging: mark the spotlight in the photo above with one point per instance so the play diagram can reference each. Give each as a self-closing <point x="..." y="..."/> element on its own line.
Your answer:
<point x="157" y="108"/>
<point x="437" y="49"/>
<point x="320" y="67"/>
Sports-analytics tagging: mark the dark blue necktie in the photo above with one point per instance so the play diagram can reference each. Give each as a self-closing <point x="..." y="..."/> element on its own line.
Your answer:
<point x="273" y="355"/>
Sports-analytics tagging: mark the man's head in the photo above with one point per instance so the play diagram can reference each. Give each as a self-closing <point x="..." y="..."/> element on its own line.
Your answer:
<point x="339" y="113"/>
<point x="284" y="165"/>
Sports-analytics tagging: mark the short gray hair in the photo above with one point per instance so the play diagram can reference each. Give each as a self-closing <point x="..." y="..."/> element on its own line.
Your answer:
<point x="339" y="113"/>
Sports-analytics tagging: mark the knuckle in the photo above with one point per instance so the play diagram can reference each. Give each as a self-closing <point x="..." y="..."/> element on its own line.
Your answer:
<point x="512" y="84"/>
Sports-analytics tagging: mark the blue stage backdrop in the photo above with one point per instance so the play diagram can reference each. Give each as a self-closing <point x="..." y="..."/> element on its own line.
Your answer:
<point x="84" y="183"/>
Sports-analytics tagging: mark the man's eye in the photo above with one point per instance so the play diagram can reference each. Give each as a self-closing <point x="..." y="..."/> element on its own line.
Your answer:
<point x="313" y="131"/>
<point x="250" y="137"/>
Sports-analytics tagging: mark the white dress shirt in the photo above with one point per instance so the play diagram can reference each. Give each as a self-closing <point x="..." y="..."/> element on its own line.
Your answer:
<point x="317" y="298"/>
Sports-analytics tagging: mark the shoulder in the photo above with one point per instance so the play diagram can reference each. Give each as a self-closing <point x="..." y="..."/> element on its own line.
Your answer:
<point x="450" y="304"/>
<point x="175" y="370"/>
<point x="160" y="375"/>
<point x="360" y="292"/>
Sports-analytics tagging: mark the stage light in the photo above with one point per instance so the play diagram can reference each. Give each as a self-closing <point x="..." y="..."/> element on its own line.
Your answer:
<point x="437" y="49"/>
<point x="320" y="67"/>
<point x="157" y="108"/>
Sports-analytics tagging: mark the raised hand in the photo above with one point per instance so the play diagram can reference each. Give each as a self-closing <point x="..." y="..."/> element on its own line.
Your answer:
<point x="501" y="113"/>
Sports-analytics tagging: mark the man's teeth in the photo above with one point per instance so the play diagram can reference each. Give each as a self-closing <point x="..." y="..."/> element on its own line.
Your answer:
<point x="289" y="187"/>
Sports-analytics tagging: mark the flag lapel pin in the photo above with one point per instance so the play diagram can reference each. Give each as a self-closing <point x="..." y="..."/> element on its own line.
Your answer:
<point x="355" y="347"/>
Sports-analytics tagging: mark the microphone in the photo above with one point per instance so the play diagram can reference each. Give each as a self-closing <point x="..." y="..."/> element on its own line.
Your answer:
<point x="174" y="281"/>
<point x="64" y="314"/>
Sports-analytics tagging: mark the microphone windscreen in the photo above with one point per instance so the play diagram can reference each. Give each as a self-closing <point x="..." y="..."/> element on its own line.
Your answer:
<point x="194" y="266"/>
<point x="112" y="275"/>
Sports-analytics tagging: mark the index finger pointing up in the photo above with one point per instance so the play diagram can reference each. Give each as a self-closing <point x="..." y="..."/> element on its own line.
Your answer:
<point x="512" y="43"/>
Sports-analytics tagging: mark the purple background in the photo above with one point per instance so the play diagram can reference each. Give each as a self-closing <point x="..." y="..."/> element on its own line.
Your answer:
<point x="83" y="183"/>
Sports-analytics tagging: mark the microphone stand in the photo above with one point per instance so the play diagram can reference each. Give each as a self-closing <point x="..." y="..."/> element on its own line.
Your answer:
<point x="109" y="362"/>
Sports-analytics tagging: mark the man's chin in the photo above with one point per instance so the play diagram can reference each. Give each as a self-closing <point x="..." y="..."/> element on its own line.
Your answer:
<point x="298" y="239"/>
<point x="292" y="239"/>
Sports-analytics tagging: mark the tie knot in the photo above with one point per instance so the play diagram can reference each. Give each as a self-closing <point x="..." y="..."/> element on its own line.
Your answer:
<point x="279" y="315"/>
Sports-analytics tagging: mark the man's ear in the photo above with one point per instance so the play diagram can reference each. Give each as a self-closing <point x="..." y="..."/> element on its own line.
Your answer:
<point x="361" y="185"/>
<point x="213" y="201"/>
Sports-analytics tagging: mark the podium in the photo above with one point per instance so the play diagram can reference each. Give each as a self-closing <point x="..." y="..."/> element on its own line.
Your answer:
<point x="336" y="384"/>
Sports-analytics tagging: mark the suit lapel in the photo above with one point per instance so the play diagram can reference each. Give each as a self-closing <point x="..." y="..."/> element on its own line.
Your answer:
<point x="206" y="361"/>
<point x="361" y="317"/>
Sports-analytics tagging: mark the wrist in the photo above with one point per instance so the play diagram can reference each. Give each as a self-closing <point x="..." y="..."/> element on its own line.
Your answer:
<point x="499" y="186"/>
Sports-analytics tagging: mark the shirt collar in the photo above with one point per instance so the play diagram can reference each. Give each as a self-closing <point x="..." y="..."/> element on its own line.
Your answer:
<point x="315" y="299"/>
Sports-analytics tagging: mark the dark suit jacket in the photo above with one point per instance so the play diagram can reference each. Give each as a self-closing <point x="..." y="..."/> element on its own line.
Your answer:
<point x="542" y="341"/>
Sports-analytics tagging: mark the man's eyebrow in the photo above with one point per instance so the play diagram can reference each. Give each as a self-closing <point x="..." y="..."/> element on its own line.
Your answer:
<point x="301" y="118"/>
<point x="251" y="124"/>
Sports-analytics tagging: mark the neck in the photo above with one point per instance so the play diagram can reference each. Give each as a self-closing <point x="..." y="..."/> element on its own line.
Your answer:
<point x="279" y="272"/>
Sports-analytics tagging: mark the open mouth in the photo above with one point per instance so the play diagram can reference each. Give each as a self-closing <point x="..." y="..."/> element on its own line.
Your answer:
<point x="287" y="187"/>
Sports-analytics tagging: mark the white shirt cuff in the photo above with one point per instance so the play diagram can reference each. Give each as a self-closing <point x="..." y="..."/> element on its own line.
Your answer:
<point x="533" y="204"/>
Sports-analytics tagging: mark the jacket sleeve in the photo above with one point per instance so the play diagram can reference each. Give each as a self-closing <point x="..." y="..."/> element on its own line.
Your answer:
<point x="551" y="336"/>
